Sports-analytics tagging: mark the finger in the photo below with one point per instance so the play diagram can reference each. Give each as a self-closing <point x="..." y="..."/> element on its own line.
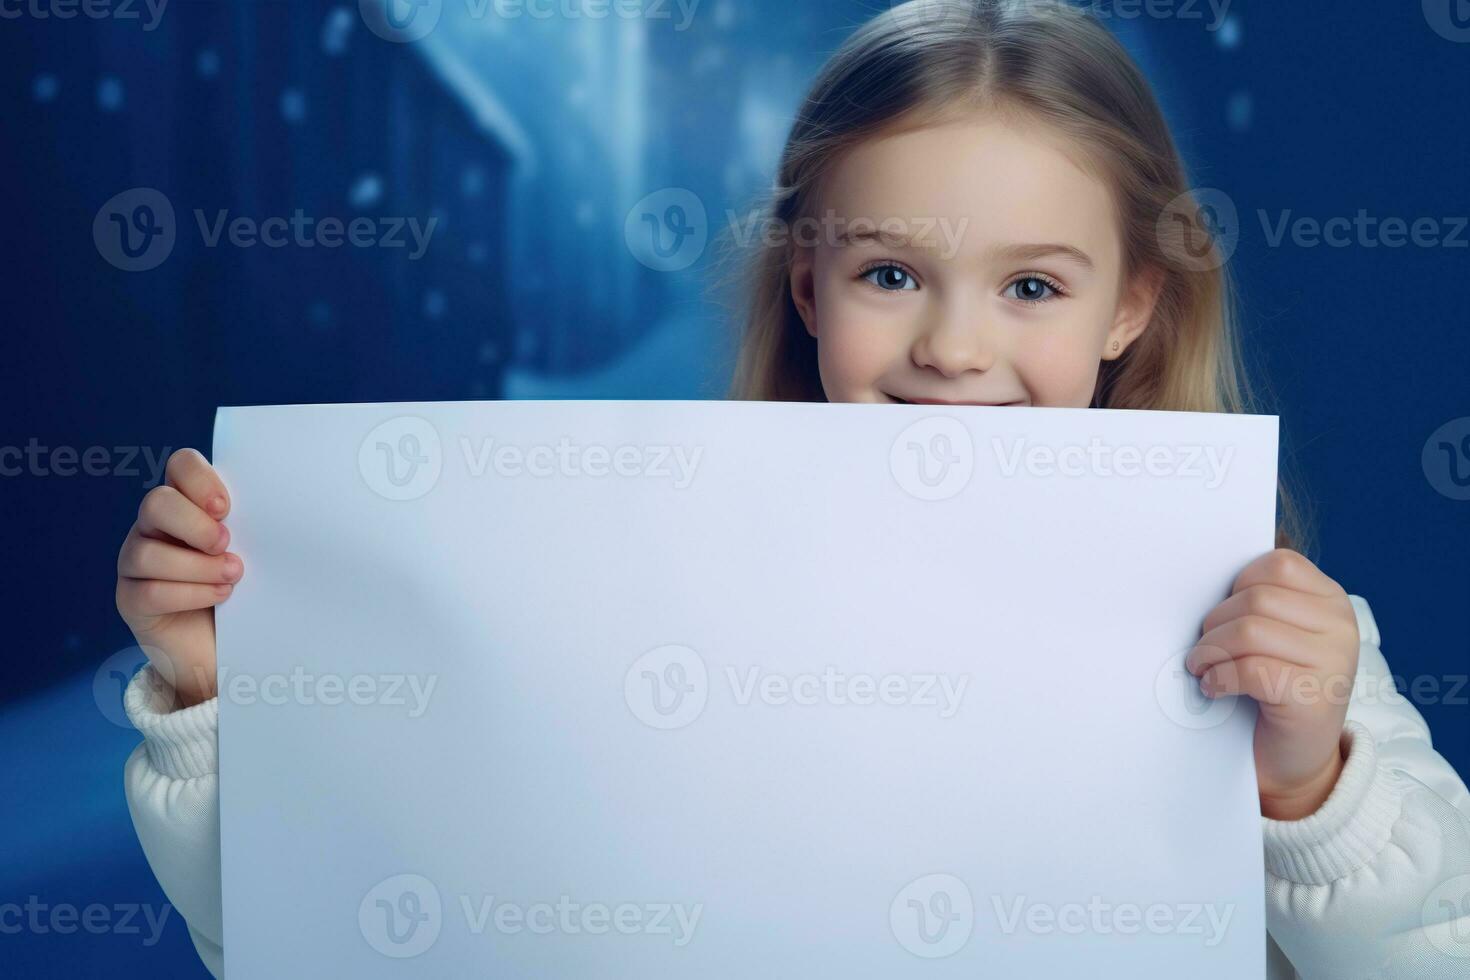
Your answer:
<point x="1311" y="612"/>
<point x="1266" y="679"/>
<point x="154" y="597"/>
<point x="1203" y="657"/>
<point x="1287" y="568"/>
<point x="152" y="558"/>
<point x="165" y="512"/>
<point x="190" y="473"/>
<point x="1251" y="635"/>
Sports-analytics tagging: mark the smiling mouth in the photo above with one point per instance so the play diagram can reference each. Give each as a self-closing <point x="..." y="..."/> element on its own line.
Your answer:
<point x="942" y="401"/>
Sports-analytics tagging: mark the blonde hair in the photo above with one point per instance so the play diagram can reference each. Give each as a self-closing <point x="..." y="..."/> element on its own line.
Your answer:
<point x="1036" y="61"/>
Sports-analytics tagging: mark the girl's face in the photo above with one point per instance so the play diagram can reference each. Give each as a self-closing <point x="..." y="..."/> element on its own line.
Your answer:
<point x="967" y="263"/>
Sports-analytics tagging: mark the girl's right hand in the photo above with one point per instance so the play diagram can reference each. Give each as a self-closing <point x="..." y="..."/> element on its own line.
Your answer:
<point x="173" y="570"/>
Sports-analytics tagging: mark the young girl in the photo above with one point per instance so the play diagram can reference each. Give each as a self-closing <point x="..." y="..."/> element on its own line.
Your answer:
<point x="985" y="207"/>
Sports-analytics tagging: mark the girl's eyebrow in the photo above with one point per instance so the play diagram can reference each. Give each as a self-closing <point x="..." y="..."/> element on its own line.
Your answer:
<point x="1026" y="252"/>
<point x="1018" y="252"/>
<point x="864" y="235"/>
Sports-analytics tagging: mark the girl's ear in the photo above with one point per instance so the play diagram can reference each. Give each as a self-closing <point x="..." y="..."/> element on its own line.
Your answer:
<point x="1135" y="311"/>
<point x="803" y="287"/>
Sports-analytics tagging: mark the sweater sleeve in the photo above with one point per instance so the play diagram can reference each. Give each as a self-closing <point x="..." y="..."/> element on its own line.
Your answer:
<point x="172" y="786"/>
<point x="1376" y="883"/>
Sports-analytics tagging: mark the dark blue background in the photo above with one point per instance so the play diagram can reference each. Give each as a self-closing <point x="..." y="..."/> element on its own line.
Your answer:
<point x="529" y="141"/>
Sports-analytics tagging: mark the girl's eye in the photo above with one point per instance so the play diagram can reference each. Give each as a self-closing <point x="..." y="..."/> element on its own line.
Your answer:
<point x="1034" y="289"/>
<point x="890" y="277"/>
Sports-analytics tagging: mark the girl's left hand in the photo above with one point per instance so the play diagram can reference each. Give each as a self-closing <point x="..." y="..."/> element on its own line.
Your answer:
<point x="1288" y="637"/>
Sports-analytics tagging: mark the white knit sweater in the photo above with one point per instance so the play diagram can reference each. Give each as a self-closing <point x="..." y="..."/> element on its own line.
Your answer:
<point x="1356" y="890"/>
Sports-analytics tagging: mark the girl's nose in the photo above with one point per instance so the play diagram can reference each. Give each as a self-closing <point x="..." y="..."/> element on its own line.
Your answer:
<point x="954" y="342"/>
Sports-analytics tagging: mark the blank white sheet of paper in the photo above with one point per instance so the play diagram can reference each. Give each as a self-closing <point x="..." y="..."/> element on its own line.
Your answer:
<point x="729" y="690"/>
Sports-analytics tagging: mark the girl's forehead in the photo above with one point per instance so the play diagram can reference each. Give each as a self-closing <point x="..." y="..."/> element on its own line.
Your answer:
<point x="1012" y="183"/>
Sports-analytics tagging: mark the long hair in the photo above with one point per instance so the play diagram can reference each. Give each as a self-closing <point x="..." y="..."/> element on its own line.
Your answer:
<point x="1044" y="61"/>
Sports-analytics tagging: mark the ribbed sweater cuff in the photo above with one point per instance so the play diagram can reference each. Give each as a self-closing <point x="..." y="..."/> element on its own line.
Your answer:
<point x="1351" y="827"/>
<point x="181" y="744"/>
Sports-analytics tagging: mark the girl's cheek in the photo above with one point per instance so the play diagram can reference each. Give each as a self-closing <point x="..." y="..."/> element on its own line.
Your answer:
<point x="1059" y="369"/>
<point x="855" y="348"/>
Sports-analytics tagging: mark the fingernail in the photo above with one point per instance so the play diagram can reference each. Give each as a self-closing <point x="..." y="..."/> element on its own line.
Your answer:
<point x="224" y="538"/>
<point x="1189" y="659"/>
<point x="222" y="590"/>
<point x="1207" y="683"/>
<point x="234" y="567"/>
<point x="217" y="504"/>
